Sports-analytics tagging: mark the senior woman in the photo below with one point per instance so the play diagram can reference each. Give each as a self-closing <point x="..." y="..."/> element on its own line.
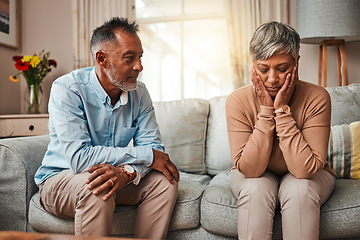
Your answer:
<point x="278" y="130"/>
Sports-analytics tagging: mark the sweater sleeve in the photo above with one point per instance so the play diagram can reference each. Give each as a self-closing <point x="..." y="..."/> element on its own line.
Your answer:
<point x="304" y="149"/>
<point x="250" y="144"/>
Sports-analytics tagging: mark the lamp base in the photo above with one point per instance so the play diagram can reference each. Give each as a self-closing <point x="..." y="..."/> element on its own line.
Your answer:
<point x="341" y="62"/>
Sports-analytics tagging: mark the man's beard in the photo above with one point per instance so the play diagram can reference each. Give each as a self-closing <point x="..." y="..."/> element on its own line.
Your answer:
<point x="124" y="86"/>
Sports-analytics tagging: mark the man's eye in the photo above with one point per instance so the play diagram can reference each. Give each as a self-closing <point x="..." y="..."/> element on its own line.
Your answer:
<point x="282" y="70"/>
<point x="129" y="58"/>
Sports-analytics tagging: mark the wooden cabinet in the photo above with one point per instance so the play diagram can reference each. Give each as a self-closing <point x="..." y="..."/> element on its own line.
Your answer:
<point x="23" y="125"/>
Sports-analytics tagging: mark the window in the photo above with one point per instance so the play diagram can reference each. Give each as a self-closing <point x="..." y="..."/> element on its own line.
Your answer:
<point x="186" y="49"/>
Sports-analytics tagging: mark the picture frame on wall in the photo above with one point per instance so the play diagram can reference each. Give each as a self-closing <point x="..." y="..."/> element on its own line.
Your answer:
<point x="9" y="23"/>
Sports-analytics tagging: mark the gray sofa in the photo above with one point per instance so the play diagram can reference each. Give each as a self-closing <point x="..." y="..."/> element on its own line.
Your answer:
<point x="195" y="136"/>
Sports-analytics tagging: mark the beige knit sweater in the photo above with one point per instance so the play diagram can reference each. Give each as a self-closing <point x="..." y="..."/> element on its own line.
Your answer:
<point x="296" y="142"/>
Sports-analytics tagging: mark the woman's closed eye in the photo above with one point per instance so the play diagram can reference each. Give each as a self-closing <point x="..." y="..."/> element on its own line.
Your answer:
<point x="282" y="70"/>
<point x="263" y="70"/>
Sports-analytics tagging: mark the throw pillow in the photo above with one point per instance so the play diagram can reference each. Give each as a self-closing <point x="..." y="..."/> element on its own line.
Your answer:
<point x="344" y="150"/>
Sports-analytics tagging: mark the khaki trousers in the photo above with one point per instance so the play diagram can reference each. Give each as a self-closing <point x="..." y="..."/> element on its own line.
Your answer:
<point x="66" y="195"/>
<point x="300" y="201"/>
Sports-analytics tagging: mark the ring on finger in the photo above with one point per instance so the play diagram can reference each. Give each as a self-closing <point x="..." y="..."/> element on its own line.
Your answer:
<point x="112" y="183"/>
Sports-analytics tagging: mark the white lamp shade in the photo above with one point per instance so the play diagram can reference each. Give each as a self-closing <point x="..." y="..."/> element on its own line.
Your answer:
<point x="319" y="20"/>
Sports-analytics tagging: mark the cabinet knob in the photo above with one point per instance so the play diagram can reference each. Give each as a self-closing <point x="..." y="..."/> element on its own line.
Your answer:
<point x="31" y="127"/>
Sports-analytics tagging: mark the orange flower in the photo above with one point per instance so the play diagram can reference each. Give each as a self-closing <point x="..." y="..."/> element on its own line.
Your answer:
<point x="13" y="79"/>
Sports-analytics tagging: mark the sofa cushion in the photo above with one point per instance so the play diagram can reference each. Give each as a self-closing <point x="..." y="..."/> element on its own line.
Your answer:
<point x="344" y="150"/>
<point x="19" y="159"/>
<point x="218" y="156"/>
<point x="218" y="207"/>
<point x="183" y="126"/>
<point x="186" y="213"/>
<point x="345" y="104"/>
<point x="339" y="214"/>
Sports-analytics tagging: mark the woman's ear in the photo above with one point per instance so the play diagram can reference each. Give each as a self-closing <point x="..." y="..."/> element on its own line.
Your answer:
<point x="297" y="61"/>
<point x="100" y="58"/>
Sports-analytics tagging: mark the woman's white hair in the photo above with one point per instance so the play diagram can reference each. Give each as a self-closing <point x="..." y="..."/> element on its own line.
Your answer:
<point x="274" y="38"/>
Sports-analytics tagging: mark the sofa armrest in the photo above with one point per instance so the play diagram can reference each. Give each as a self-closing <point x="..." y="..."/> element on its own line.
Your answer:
<point x="19" y="159"/>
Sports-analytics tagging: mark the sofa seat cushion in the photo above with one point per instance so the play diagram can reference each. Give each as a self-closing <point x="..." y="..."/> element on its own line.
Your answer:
<point x="186" y="214"/>
<point x="342" y="211"/>
<point x="339" y="214"/>
<point x="218" y="207"/>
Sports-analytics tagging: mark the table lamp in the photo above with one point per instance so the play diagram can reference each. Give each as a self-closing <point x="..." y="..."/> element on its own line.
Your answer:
<point x="329" y="23"/>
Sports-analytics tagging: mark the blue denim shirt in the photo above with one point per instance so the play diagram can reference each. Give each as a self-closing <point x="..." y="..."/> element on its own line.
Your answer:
<point x="85" y="129"/>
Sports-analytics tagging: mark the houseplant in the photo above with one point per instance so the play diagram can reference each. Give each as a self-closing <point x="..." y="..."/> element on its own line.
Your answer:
<point x="33" y="68"/>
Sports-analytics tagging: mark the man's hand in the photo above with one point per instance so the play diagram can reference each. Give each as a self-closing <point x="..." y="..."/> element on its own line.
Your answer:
<point x="106" y="176"/>
<point x="162" y="163"/>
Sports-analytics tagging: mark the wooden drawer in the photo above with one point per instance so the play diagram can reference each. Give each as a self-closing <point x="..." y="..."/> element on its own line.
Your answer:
<point x="23" y="125"/>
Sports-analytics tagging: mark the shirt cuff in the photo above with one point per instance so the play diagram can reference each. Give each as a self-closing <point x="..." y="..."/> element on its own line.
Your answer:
<point x="145" y="155"/>
<point x="136" y="180"/>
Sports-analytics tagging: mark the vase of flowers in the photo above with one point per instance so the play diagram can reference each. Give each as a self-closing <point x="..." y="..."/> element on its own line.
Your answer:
<point x="33" y="68"/>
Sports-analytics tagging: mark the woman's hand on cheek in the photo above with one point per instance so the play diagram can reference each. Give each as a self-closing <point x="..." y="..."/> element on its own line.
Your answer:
<point x="285" y="93"/>
<point x="260" y="90"/>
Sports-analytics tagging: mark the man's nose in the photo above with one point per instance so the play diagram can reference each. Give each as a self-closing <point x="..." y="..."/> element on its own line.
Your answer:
<point x="138" y="66"/>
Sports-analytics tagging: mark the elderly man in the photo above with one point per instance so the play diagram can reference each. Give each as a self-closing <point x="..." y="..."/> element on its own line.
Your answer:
<point x="89" y="166"/>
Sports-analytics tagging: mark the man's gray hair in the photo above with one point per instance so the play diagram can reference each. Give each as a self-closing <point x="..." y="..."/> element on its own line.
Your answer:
<point x="274" y="38"/>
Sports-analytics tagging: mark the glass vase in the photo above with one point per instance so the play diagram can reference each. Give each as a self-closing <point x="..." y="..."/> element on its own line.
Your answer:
<point x="33" y="98"/>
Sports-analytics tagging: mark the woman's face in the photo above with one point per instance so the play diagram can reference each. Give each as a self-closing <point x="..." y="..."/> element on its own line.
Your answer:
<point x="273" y="71"/>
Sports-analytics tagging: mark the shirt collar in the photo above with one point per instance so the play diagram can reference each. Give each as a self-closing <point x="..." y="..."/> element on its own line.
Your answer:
<point x="124" y="97"/>
<point x="101" y="93"/>
<point x="98" y="89"/>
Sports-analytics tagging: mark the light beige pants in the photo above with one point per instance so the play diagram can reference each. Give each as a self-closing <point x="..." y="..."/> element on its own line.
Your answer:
<point x="66" y="195"/>
<point x="300" y="201"/>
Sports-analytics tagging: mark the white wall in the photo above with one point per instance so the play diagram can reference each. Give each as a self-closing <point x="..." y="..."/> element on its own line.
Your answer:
<point x="44" y="24"/>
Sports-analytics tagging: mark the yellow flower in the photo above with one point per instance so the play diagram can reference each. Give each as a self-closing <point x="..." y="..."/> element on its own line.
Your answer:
<point x="34" y="62"/>
<point x="26" y="58"/>
<point x="13" y="79"/>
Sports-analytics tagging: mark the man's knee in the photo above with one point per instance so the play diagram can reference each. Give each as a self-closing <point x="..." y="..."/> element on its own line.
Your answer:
<point x="161" y="185"/>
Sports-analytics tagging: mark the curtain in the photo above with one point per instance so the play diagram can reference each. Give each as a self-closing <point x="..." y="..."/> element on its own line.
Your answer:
<point x="244" y="16"/>
<point x="89" y="14"/>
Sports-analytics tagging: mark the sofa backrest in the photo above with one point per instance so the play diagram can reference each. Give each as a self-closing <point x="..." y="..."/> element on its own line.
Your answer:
<point x="183" y="127"/>
<point x="195" y="134"/>
<point x="218" y="157"/>
<point x="345" y="104"/>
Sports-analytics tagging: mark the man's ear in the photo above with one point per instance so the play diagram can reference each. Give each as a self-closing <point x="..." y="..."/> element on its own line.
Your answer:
<point x="100" y="58"/>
